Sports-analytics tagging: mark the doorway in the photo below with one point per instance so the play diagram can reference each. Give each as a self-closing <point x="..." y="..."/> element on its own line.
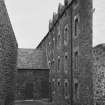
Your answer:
<point x="29" y="91"/>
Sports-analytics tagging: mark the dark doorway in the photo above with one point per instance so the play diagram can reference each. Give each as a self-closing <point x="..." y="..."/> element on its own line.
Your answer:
<point x="44" y="89"/>
<point x="29" y="91"/>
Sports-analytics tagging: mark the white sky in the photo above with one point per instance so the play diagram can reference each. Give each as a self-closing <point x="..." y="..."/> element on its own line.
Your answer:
<point x="30" y="20"/>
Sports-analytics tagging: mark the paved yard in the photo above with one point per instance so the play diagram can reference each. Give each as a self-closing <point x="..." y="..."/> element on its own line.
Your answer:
<point x="31" y="102"/>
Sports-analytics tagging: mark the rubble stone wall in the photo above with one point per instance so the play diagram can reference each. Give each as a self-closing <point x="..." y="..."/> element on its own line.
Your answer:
<point x="8" y="58"/>
<point x="99" y="73"/>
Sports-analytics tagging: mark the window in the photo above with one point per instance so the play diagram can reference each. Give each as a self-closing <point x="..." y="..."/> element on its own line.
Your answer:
<point x="49" y="64"/>
<point x="53" y="64"/>
<point x="76" y="26"/>
<point x="49" y="49"/>
<point x="66" y="2"/>
<point x="59" y="37"/>
<point x="54" y="42"/>
<point x="58" y="82"/>
<point x="50" y="24"/>
<point x="66" y="35"/>
<point x="49" y="44"/>
<point x="47" y="52"/>
<point x="58" y="63"/>
<point x="66" y="89"/>
<point x="53" y="81"/>
<point x="76" y="60"/>
<point x="76" y="89"/>
<point x="59" y="40"/>
<point x="53" y="86"/>
<point x="66" y="63"/>
<point x="53" y="31"/>
<point x="53" y="53"/>
<point x="75" y="3"/>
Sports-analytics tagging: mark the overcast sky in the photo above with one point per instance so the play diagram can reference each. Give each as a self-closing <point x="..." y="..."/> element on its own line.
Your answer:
<point x="30" y="20"/>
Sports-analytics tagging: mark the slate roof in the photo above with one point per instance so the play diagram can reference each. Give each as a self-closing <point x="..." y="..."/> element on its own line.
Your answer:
<point x="24" y="60"/>
<point x="39" y="60"/>
<point x="31" y="59"/>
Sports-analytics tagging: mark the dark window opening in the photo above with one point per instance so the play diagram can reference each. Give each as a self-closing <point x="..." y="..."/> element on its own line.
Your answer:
<point x="66" y="84"/>
<point x="66" y="2"/>
<point x="76" y="26"/>
<point x="58" y="63"/>
<point x="59" y="38"/>
<point x="76" y="90"/>
<point x="53" y="83"/>
<point x="66" y="55"/>
<point x="53" y="42"/>
<point x="53" y="87"/>
<point x="59" y="83"/>
<point x="76" y="60"/>
<point x="59" y="41"/>
<point x="53" y="65"/>
<point x="66" y="89"/>
<point x="66" y="63"/>
<point x="66" y="35"/>
<point x="49" y="63"/>
<point x="53" y="61"/>
<point x="66" y="29"/>
<point x="75" y="2"/>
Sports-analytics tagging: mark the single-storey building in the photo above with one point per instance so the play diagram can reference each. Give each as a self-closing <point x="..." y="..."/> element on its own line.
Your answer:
<point x="32" y="80"/>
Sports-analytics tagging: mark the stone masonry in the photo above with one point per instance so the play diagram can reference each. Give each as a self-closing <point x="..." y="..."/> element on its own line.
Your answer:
<point x="8" y="57"/>
<point x="68" y="49"/>
<point x="99" y="74"/>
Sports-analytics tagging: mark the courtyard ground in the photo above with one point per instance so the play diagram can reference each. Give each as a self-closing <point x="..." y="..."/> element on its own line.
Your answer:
<point x="31" y="102"/>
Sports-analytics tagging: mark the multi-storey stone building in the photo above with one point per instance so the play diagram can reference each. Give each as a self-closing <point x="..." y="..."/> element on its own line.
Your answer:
<point x="99" y="74"/>
<point x="68" y="49"/>
<point x="8" y="57"/>
<point x="32" y="79"/>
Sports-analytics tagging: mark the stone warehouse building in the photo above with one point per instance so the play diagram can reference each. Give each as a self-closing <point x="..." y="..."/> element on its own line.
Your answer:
<point x="68" y="49"/>
<point x="99" y="74"/>
<point x="8" y="57"/>
<point x="32" y="80"/>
